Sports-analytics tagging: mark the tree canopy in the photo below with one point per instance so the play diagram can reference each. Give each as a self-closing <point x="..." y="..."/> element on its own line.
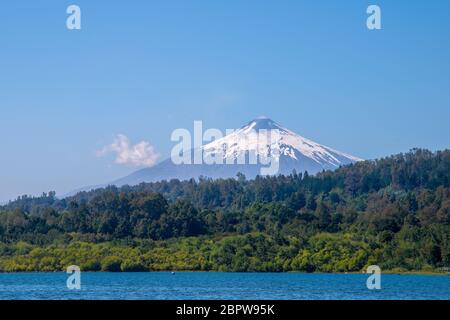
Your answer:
<point x="394" y="212"/>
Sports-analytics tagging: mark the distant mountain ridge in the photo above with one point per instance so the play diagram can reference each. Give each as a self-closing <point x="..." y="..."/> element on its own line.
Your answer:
<point x="293" y="152"/>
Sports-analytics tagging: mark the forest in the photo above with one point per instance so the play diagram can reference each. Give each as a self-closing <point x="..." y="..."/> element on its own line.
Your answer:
<point x="393" y="212"/>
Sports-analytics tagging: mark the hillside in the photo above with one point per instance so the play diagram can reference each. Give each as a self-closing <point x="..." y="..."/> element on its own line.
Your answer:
<point x="394" y="212"/>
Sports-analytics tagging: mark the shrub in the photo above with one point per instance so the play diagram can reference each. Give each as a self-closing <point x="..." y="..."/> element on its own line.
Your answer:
<point x="132" y="266"/>
<point x="111" y="264"/>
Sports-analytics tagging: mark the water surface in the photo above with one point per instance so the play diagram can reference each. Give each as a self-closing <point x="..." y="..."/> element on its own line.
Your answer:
<point x="216" y="285"/>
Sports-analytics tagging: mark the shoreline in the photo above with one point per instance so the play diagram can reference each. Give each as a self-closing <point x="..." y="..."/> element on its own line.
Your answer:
<point x="388" y="272"/>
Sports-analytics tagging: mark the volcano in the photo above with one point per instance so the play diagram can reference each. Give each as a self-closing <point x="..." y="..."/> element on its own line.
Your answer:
<point x="290" y="150"/>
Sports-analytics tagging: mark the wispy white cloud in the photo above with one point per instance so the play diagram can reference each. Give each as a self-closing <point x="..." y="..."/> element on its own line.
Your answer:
<point x="140" y="154"/>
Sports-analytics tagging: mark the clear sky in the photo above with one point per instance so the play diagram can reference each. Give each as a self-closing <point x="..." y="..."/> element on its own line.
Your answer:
<point x="145" y="68"/>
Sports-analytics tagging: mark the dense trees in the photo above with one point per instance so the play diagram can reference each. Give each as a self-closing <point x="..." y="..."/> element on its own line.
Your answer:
<point x="394" y="212"/>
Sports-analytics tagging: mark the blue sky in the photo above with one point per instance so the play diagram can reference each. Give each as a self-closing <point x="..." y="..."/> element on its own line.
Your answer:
<point x="145" y="68"/>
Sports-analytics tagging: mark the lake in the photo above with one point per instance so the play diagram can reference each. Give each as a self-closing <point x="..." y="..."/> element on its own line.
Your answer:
<point x="216" y="285"/>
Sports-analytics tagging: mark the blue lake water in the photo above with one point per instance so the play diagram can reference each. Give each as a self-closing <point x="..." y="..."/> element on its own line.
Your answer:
<point x="216" y="285"/>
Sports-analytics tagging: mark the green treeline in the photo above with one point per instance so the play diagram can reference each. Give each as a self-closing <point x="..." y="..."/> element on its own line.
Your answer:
<point x="393" y="212"/>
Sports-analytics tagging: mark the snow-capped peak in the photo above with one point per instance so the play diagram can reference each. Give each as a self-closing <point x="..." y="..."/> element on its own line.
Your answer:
<point x="278" y="142"/>
<point x="262" y="123"/>
<point x="286" y="150"/>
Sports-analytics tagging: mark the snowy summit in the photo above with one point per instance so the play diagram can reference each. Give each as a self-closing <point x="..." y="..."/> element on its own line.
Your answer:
<point x="289" y="149"/>
<point x="300" y="153"/>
